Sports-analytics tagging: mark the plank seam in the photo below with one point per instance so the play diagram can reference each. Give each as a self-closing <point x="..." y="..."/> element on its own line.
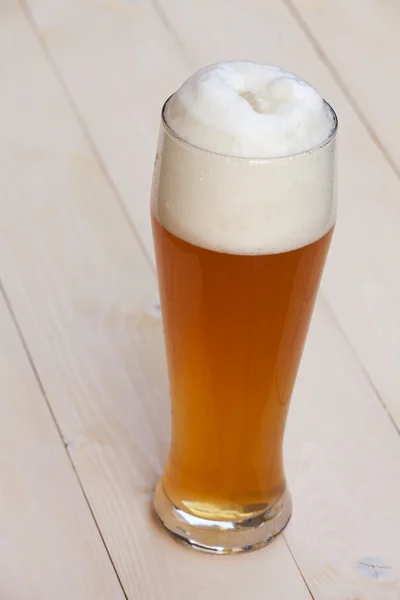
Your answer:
<point x="359" y="362"/>
<point x="298" y="567"/>
<point x="296" y="15"/>
<point x="54" y="419"/>
<point x="82" y="123"/>
<point x="171" y="31"/>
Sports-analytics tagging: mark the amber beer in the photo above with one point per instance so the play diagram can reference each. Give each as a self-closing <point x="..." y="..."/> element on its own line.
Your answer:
<point x="235" y="327"/>
<point x="243" y="210"/>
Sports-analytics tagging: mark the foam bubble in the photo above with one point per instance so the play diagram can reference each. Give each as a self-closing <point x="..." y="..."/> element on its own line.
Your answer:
<point x="248" y="109"/>
<point x="226" y="189"/>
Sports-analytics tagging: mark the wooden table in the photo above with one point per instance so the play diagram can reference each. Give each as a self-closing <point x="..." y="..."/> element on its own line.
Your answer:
<point x="84" y="412"/>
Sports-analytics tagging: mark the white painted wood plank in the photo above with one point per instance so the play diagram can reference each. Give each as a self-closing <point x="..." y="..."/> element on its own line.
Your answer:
<point x="361" y="40"/>
<point x="49" y="544"/>
<point x="342" y="450"/>
<point x="144" y="65"/>
<point x="343" y="460"/>
<point x="84" y="296"/>
<point x="120" y="65"/>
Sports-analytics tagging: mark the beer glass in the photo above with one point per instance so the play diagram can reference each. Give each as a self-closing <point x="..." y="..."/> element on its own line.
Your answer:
<point x="235" y="324"/>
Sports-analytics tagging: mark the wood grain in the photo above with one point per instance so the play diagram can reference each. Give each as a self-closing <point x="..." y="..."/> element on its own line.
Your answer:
<point x="359" y="283"/>
<point x="86" y="302"/>
<point x="71" y="230"/>
<point x="365" y="62"/>
<point x="134" y="66"/>
<point x="342" y="453"/>
<point x="49" y="544"/>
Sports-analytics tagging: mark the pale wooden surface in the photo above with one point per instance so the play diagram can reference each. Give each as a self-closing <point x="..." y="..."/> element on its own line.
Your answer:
<point x="82" y="82"/>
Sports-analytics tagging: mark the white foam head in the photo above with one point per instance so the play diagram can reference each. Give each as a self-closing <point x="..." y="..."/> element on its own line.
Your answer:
<point x="255" y="175"/>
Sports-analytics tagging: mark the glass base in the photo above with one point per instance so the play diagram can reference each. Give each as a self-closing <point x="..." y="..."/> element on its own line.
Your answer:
<point x="222" y="537"/>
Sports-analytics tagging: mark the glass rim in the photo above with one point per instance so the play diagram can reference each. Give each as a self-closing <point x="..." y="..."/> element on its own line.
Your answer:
<point x="325" y="142"/>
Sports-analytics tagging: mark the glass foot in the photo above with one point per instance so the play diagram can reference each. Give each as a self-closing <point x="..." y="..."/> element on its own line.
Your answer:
<point x="222" y="537"/>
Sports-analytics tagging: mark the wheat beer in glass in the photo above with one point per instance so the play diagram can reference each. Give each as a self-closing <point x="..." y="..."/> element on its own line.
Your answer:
<point x="243" y="210"/>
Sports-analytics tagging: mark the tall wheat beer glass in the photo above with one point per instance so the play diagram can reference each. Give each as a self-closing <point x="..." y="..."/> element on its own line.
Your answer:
<point x="243" y="209"/>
